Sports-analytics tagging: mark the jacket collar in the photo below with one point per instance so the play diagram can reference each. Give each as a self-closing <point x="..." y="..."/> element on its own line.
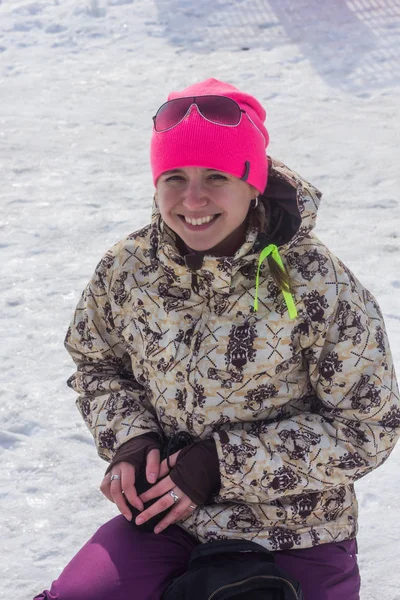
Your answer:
<point x="218" y="271"/>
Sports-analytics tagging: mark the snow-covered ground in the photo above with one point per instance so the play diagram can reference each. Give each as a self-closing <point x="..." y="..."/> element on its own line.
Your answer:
<point x="79" y="83"/>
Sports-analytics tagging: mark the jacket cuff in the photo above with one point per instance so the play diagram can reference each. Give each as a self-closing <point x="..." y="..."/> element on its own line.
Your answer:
<point x="236" y="458"/>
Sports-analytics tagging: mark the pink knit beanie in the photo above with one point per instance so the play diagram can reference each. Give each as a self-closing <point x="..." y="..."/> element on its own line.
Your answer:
<point x="196" y="142"/>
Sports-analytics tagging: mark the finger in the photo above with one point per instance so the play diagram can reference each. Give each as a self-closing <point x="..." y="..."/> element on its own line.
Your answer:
<point x="166" y="522"/>
<point x="164" y="503"/>
<point x="105" y="487"/>
<point x="161" y="488"/>
<point x="178" y="512"/>
<point x="119" y="499"/>
<point x="128" y="486"/>
<point x="164" y="468"/>
<point x="153" y="465"/>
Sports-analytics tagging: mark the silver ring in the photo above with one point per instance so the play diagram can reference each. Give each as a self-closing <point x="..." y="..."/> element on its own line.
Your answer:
<point x="192" y="506"/>
<point x="115" y="477"/>
<point x="174" y="496"/>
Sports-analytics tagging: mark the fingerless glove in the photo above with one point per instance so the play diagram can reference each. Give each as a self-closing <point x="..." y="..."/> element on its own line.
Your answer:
<point x="196" y="471"/>
<point x="135" y="451"/>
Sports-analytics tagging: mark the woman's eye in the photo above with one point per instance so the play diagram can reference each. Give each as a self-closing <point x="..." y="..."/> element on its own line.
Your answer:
<point x="217" y="176"/>
<point x="174" y="178"/>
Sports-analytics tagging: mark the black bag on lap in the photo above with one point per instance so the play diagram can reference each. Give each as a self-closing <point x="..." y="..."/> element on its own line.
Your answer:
<point x="233" y="570"/>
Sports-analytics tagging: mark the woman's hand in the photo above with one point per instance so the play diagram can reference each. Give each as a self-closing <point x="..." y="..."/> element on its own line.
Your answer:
<point x="171" y="497"/>
<point x="180" y="509"/>
<point x="117" y="490"/>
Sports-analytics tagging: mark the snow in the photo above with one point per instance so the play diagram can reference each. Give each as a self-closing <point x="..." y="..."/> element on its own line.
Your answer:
<point x="79" y="83"/>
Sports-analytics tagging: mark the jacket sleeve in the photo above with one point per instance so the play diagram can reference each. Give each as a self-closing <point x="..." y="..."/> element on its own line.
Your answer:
<point x="351" y="418"/>
<point x="111" y="401"/>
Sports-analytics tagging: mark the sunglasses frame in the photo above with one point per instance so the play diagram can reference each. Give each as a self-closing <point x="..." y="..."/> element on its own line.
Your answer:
<point x="194" y="103"/>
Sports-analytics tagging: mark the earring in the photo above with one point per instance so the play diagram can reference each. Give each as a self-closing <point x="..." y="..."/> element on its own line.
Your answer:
<point x="254" y="203"/>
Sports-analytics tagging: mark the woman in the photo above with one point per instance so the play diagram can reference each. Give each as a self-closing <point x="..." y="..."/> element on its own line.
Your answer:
<point x="228" y="320"/>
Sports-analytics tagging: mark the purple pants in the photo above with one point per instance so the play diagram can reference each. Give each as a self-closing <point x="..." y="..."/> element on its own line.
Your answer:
<point x="122" y="563"/>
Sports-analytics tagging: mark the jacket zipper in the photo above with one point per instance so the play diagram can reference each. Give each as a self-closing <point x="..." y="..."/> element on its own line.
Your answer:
<point x="230" y="585"/>
<point x="195" y="283"/>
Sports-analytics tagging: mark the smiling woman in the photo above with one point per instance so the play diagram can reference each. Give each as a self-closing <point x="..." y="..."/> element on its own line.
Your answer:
<point x="234" y="373"/>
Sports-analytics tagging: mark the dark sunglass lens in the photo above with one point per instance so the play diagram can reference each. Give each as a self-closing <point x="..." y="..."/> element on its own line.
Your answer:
<point x="219" y="109"/>
<point x="170" y="113"/>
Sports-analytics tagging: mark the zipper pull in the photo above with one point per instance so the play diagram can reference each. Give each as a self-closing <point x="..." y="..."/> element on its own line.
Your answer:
<point x="194" y="262"/>
<point x="195" y="283"/>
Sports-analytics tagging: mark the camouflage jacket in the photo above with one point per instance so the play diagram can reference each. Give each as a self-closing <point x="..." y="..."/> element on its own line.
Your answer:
<point x="299" y="408"/>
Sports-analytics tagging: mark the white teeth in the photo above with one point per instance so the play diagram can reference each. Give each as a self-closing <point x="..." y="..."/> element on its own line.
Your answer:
<point x="199" y="221"/>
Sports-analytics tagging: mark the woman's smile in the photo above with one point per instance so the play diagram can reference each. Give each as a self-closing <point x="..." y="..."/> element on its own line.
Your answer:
<point x="199" y="223"/>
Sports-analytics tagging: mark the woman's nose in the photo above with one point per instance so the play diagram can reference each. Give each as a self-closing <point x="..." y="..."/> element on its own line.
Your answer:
<point x="194" y="196"/>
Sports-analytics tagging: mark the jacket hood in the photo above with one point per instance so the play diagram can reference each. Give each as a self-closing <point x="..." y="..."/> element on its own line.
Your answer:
<point x="292" y="203"/>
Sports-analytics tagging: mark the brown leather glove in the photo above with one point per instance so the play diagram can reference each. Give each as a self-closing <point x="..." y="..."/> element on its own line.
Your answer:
<point x="196" y="471"/>
<point x="135" y="451"/>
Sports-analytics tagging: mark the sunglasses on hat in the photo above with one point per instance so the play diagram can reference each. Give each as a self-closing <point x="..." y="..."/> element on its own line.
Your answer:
<point x="215" y="109"/>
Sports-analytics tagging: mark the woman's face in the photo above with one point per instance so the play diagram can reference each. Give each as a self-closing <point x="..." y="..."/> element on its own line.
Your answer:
<point x="206" y="208"/>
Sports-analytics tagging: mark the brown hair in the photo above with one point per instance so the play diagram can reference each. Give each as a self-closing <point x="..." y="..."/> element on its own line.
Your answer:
<point x="260" y="218"/>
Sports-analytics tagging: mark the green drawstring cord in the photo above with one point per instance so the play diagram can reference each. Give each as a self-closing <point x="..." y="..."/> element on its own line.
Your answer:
<point x="272" y="249"/>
